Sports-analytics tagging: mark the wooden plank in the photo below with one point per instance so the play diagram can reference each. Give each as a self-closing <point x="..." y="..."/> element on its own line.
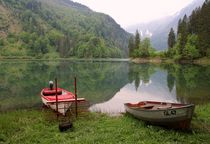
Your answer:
<point x="70" y="100"/>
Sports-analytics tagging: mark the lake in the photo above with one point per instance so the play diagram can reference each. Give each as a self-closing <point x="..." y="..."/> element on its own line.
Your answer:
<point x="106" y="85"/>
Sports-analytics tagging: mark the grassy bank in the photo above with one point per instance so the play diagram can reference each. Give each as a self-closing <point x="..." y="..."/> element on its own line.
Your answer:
<point x="38" y="126"/>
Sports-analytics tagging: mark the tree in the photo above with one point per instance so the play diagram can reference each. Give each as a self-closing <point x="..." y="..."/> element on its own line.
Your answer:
<point x="194" y="21"/>
<point x="175" y="51"/>
<point x="193" y="34"/>
<point x="191" y="50"/>
<point x="179" y="27"/>
<point x="131" y="46"/>
<point x="171" y="38"/>
<point x="171" y="43"/>
<point x="137" y="40"/>
<point x="146" y="45"/>
<point x="204" y="30"/>
<point x="134" y="50"/>
<point x="184" y="32"/>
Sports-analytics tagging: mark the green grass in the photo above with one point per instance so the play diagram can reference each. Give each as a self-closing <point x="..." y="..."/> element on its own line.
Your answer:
<point x="41" y="126"/>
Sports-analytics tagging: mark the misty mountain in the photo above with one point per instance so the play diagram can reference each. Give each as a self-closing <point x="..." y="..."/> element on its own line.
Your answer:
<point x="158" y="30"/>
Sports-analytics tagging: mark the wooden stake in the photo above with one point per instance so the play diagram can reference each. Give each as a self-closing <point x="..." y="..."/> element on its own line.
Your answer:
<point x="56" y="94"/>
<point x="75" y="93"/>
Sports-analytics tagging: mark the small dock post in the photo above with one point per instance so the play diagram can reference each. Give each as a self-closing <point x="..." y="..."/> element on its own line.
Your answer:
<point x="56" y="94"/>
<point x="75" y="93"/>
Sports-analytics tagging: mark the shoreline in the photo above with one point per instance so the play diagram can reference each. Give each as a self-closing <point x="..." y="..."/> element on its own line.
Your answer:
<point x="202" y="61"/>
<point x="155" y="60"/>
<point x="68" y="59"/>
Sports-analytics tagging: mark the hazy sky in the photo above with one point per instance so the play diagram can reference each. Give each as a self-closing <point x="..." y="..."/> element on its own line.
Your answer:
<point x="129" y="12"/>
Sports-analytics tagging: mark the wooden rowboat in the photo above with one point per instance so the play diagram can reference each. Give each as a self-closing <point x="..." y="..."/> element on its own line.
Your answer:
<point x="65" y="99"/>
<point x="172" y="115"/>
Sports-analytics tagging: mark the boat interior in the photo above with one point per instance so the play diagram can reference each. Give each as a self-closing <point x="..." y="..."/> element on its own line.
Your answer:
<point x="154" y="105"/>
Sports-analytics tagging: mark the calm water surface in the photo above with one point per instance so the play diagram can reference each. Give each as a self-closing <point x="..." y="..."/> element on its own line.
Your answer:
<point x="107" y="85"/>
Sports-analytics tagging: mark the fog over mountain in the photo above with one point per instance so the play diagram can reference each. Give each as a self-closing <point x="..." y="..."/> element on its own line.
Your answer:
<point x="158" y="30"/>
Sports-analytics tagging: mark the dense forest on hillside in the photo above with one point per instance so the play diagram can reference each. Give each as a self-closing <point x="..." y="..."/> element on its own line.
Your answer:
<point x="58" y="28"/>
<point x="192" y="35"/>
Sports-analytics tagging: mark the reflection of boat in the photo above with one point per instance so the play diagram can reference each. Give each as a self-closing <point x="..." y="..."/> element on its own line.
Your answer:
<point x="64" y="99"/>
<point x="161" y="113"/>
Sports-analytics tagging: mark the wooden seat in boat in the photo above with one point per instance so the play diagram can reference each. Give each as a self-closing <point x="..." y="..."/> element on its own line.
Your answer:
<point x="167" y="106"/>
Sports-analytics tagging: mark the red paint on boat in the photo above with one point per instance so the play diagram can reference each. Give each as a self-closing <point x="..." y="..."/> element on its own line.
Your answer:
<point x="63" y="95"/>
<point x="48" y="92"/>
<point x="153" y="105"/>
<point x="59" y="102"/>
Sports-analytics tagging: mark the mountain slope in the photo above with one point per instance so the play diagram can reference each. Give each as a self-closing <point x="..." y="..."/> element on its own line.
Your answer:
<point x="52" y="27"/>
<point x="161" y="27"/>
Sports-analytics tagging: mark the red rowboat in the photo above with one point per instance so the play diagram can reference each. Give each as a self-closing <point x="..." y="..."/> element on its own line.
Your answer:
<point x="172" y="115"/>
<point x="64" y="99"/>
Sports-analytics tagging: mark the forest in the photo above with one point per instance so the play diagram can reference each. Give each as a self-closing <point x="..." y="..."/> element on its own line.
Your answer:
<point x="140" y="48"/>
<point x="191" y="41"/>
<point x="192" y="38"/>
<point x="53" y="29"/>
<point x="58" y="28"/>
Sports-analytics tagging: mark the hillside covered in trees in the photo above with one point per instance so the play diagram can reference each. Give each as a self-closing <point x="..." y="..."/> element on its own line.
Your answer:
<point x="58" y="28"/>
<point x="193" y="35"/>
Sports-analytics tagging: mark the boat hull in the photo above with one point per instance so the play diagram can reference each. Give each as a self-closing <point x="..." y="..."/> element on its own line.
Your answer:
<point x="64" y="99"/>
<point x="62" y="106"/>
<point x="178" y="117"/>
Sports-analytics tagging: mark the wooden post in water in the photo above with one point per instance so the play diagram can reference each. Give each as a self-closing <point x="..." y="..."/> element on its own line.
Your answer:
<point x="75" y="93"/>
<point x="56" y="94"/>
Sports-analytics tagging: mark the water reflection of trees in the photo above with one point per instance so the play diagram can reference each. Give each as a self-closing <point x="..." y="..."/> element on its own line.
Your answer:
<point x="192" y="82"/>
<point x="138" y="73"/>
<point x="21" y="82"/>
<point x="97" y="81"/>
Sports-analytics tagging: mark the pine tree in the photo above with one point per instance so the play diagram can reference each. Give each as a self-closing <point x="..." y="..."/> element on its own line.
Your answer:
<point x="137" y="40"/>
<point x="179" y="27"/>
<point x="194" y="21"/>
<point x="208" y="27"/>
<point x="193" y="34"/>
<point x="146" y="45"/>
<point x="171" y="38"/>
<point x="131" y="46"/>
<point x="204" y="31"/>
<point x="183" y="31"/>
